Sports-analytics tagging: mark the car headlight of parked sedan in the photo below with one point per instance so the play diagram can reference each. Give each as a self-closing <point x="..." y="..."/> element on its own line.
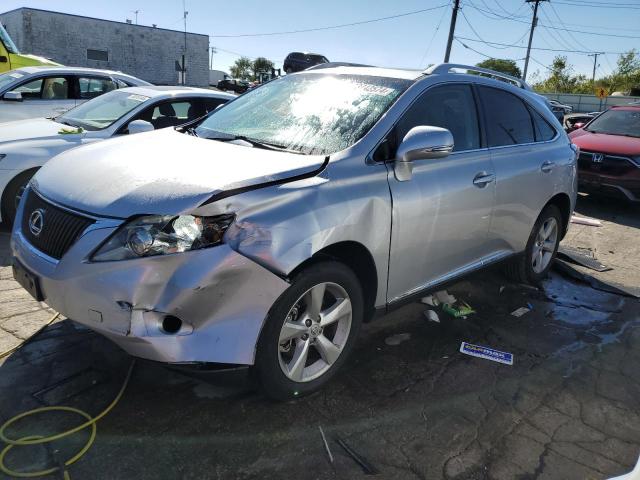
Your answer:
<point x="153" y="235"/>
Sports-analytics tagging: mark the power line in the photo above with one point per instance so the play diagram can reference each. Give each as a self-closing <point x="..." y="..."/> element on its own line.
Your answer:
<point x="424" y="56"/>
<point x="502" y="17"/>
<point x="478" y="35"/>
<point x="514" y="14"/>
<point x="577" y="42"/>
<point x="536" y="48"/>
<point x="472" y="49"/>
<point x="561" y="36"/>
<point x="555" y="27"/>
<point x="600" y="5"/>
<point x="330" y="27"/>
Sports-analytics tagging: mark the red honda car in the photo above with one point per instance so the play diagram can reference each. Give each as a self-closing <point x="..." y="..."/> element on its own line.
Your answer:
<point x="609" y="161"/>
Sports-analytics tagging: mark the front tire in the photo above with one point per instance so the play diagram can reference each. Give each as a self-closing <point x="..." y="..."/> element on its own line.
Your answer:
<point x="12" y="195"/>
<point x="534" y="264"/>
<point x="310" y="331"/>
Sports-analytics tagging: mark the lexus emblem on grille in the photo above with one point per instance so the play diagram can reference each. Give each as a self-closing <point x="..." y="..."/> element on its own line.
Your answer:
<point x="597" y="157"/>
<point x="36" y="222"/>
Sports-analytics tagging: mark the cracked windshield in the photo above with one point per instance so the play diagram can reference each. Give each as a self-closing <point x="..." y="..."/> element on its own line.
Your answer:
<point x="311" y="113"/>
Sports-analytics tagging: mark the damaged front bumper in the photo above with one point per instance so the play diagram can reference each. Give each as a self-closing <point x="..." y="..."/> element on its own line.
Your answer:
<point x="214" y="299"/>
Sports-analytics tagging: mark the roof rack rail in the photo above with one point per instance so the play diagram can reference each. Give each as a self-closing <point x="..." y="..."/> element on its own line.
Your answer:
<point x="337" y="64"/>
<point x="447" y="67"/>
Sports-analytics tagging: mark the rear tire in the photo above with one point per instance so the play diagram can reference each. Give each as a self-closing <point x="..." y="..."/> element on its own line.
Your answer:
<point x="533" y="265"/>
<point x="310" y="331"/>
<point x="12" y="195"/>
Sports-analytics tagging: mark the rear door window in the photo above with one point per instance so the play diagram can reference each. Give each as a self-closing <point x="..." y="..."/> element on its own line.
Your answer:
<point x="452" y="107"/>
<point x="507" y="118"/>
<point x="91" y="87"/>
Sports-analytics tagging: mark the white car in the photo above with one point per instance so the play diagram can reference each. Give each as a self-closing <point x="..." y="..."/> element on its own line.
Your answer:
<point x="34" y="92"/>
<point x="26" y="145"/>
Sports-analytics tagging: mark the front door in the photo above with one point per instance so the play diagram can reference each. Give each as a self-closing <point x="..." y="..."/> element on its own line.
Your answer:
<point x="41" y="97"/>
<point x="441" y="216"/>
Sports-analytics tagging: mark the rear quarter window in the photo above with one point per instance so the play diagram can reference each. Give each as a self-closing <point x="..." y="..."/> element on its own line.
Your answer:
<point x="544" y="131"/>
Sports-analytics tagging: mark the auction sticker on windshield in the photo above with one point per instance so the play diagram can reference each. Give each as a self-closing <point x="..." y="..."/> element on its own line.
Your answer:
<point x="137" y="98"/>
<point x="486" y="353"/>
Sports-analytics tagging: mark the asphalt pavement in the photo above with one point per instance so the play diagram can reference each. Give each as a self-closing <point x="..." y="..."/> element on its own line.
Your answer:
<point x="566" y="409"/>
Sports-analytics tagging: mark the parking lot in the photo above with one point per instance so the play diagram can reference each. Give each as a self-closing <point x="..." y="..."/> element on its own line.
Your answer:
<point x="567" y="408"/>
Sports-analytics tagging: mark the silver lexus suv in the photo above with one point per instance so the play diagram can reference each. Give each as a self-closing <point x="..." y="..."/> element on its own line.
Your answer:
<point x="266" y="233"/>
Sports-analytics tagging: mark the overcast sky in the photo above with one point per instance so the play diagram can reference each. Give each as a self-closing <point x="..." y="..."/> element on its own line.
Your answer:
<point x="411" y="41"/>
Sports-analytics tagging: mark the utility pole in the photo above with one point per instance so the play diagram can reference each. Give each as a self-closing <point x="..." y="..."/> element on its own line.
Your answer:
<point x="184" y="54"/>
<point x="534" y="22"/>
<point x="595" y="64"/>
<point x="452" y="29"/>
<point x="136" y="12"/>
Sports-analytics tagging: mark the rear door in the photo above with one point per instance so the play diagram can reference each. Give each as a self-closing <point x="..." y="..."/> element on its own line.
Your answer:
<point x="441" y="216"/>
<point x="521" y="151"/>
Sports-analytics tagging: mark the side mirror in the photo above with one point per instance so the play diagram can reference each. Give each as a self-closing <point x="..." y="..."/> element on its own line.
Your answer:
<point x="140" y="126"/>
<point x="421" y="143"/>
<point x="13" y="96"/>
<point x="218" y="107"/>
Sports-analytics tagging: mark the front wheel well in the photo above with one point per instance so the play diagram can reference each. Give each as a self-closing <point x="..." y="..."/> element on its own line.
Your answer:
<point x="358" y="258"/>
<point x="9" y="187"/>
<point x="563" y="202"/>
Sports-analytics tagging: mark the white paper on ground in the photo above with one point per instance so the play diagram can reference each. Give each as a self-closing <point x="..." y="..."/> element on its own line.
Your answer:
<point x="520" y="311"/>
<point x="592" y="222"/>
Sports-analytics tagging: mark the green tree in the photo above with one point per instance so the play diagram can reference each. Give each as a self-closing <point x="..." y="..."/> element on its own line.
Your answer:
<point x="501" y="65"/>
<point x="627" y="74"/>
<point x="241" y="68"/>
<point x="562" y="79"/>
<point x="261" y="65"/>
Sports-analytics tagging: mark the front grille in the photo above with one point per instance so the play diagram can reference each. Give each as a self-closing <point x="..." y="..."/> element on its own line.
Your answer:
<point x="59" y="229"/>
<point x="610" y="164"/>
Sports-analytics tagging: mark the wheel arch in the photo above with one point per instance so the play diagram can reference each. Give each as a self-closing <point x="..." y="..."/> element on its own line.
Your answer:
<point x="563" y="202"/>
<point x="10" y="184"/>
<point x="359" y="259"/>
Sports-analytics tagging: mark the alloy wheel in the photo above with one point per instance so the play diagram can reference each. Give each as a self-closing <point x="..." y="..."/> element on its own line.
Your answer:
<point x="315" y="332"/>
<point x="545" y="245"/>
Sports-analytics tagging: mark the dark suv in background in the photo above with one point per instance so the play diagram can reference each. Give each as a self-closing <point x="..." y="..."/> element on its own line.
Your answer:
<point x="234" y="85"/>
<point x="298" y="61"/>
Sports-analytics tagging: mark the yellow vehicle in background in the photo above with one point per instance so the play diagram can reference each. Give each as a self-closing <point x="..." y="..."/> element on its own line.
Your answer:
<point x="11" y="58"/>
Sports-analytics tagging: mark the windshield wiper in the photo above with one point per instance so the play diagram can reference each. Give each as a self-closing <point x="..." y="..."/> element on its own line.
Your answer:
<point x="253" y="142"/>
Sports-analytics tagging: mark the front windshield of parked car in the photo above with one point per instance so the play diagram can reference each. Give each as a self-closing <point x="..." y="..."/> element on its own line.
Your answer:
<point x="309" y="113"/>
<point x="617" y="122"/>
<point x="8" y="78"/>
<point x="6" y="40"/>
<point x="102" y="111"/>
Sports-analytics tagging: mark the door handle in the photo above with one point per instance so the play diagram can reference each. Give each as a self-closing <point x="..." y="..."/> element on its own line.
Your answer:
<point x="482" y="179"/>
<point x="546" y="167"/>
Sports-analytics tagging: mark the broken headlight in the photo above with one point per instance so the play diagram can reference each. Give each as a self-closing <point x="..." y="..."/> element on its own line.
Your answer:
<point x="161" y="235"/>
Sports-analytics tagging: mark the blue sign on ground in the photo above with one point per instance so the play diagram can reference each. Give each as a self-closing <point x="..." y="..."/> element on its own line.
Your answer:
<point x="486" y="352"/>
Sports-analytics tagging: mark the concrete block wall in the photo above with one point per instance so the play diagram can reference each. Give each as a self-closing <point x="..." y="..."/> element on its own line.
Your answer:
<point x="145" y="52"/>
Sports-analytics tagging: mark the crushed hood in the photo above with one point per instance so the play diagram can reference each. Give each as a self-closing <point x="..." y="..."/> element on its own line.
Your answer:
<point x="33" y="129"/>
<point x="162" y="172"/>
